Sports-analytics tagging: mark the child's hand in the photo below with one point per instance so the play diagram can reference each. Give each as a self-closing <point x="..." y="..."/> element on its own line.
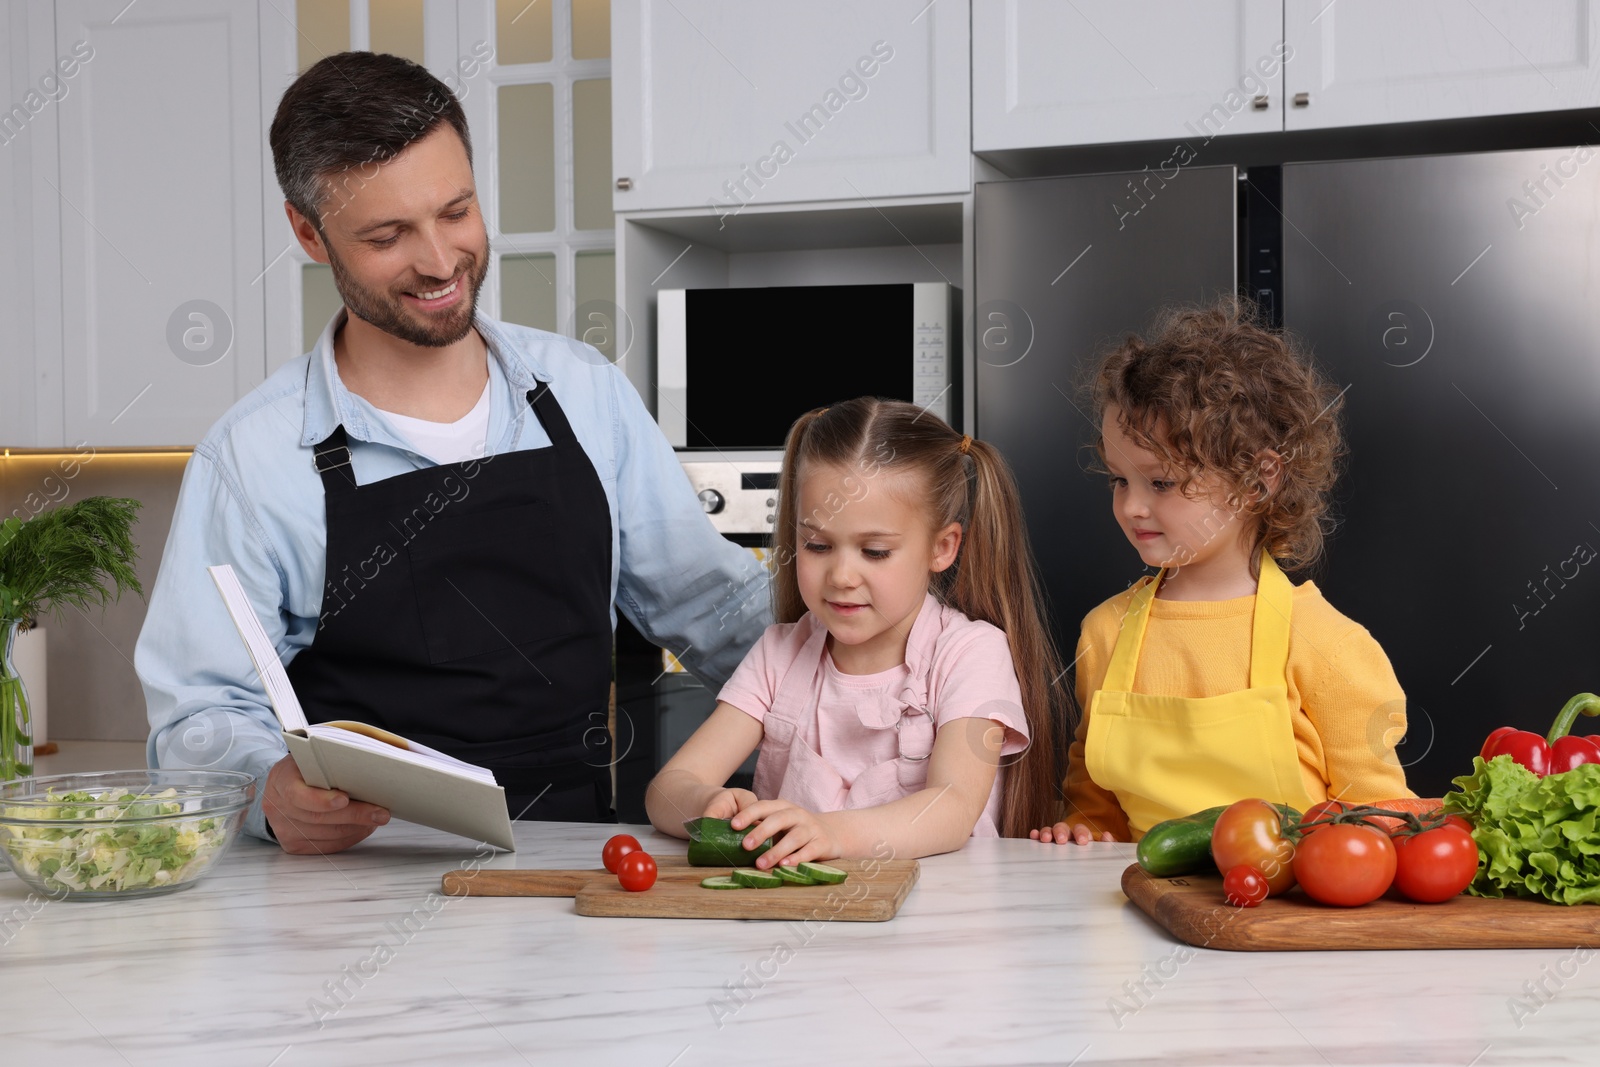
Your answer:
<point x="796" y="832"/>
<point x="726" y="803"/>
<point x="1061" y="834"/>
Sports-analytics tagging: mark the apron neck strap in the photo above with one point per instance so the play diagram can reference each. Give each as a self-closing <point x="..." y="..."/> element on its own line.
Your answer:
<point x="550" y="415"/>
<point x="1125" y="656"/>
<point x="331" y="457"/>
<point x="1269" y="630"/>
<point x="794" y="688"/>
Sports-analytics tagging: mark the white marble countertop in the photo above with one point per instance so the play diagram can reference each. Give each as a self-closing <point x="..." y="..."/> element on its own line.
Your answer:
<point x="1007" y="952"/>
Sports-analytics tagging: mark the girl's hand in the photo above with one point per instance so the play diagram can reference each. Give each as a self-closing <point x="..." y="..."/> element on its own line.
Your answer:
<point x="796" y="832"/>
<point x="727" y="803"/>
<point x="1062" y="834"/>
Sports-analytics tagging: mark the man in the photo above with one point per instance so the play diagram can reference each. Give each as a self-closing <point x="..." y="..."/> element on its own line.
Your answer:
<point x="433" y="512"/>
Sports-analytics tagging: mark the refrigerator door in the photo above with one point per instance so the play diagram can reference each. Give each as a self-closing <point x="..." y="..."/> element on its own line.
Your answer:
<point x="1457" y="299"/>
<point x="1065" y="267"/>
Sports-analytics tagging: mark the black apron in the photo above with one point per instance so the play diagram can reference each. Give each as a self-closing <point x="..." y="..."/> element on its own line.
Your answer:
<point x="468" y="607"/>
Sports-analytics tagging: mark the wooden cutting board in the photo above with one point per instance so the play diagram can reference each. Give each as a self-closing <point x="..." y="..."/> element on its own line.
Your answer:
<point x="1191" y="909"/>
<point x="873" y="892"/>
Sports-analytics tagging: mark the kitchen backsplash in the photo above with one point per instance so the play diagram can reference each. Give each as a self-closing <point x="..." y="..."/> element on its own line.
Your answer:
<point x="94" y="693"/>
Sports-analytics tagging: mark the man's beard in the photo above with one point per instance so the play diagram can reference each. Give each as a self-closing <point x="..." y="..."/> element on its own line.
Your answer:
<point x="388" y="312"/>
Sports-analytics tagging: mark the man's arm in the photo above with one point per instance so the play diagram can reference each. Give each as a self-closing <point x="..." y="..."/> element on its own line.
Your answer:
<point x="685" y="586"/>
<point x="206" y="704"/>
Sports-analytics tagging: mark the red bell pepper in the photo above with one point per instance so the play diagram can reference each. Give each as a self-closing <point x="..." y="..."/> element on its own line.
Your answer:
<point x="1568" y="752"/>
<point x="1554" y="753"/>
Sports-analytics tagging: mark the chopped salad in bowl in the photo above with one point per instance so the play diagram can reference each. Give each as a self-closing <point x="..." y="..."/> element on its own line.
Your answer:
<point x="120" y="834"/>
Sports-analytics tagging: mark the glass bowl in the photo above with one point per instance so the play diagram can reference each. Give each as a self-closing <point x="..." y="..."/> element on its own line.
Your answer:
<point x="120" y="834"/>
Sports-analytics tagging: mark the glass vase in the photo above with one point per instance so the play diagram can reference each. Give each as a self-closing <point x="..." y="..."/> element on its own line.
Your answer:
<point x="16" y="725"/>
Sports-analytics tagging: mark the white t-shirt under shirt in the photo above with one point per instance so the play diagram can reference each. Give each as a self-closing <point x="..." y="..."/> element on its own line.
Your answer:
<point x="448" y="442"/>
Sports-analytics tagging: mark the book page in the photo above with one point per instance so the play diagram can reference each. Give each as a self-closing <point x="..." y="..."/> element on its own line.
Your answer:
<point x="378" y="733"/>
<point x="410" y="752"/>
<point x="273" y="677"/>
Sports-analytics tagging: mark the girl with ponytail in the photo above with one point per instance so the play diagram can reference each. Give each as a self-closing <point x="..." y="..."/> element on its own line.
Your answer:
<point x="905" y="700"/>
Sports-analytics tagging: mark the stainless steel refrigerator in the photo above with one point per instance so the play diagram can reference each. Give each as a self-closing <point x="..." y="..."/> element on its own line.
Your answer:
<point x="1456" y="299"/>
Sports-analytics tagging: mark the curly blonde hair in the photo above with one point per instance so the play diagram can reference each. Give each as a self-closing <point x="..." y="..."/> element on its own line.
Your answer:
<point x="1212" y="391"/>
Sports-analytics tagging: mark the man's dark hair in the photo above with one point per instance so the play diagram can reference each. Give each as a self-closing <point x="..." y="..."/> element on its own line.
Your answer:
<point x="347" y="115"/>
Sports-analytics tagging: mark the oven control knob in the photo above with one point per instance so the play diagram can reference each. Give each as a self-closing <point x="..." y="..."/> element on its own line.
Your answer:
<point x="711" y="501"/>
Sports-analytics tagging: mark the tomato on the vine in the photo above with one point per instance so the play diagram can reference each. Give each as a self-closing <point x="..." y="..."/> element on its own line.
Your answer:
<point x="1435" y="865"/>
<point x="1250" y="834"/>
<point x="1244" y="887"/>
<point x="637" y="872"/>
<point x="1345" y="864"/>
<point x="1321" y="810"/>
<point x="616" y="848"/>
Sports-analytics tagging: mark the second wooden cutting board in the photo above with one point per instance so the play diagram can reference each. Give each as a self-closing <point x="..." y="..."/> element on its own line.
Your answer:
<point x="873" y="892"/>
<point x="1191" y="909"/>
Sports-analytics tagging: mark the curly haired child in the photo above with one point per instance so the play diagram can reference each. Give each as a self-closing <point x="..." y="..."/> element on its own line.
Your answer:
<point x="1218" y="679"/>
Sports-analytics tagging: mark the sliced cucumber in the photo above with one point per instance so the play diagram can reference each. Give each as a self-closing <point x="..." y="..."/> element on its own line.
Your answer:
<point x="822" y="873"/>
<point x="754" y="879"/>
<point x="721" y="881"/>
<point x="715" y="843"/>
<point x="792" y="875"/>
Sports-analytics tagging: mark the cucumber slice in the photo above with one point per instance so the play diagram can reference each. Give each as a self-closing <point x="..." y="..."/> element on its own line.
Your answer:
<point x="821" y="872"/>
<point x="751" y="878"/>
<point x="792" y="875"/>
<point x="721" y="881"/>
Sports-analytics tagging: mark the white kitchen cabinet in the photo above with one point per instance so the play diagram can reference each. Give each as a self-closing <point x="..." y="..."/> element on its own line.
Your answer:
<point x="1047" y="73"/>
<point x="160" y="146"/>
<point x="723" y="103"/>
<point x="1361" y="62"/>
<point x="30" y="261"/>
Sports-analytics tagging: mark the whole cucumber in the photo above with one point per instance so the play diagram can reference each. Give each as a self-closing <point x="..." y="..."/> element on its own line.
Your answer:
<point x="1183" y="846"/>
<point x="1179" y="846"/>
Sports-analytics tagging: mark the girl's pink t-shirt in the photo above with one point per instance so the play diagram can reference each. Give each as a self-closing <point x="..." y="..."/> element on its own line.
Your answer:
<point x="962" y="668"/>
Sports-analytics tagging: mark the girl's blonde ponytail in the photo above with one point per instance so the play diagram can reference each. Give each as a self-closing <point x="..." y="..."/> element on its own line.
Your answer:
<point x="997" y="581"/>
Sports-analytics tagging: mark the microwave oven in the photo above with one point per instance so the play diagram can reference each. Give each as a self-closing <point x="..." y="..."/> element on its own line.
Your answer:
<point x="736" y="367"/>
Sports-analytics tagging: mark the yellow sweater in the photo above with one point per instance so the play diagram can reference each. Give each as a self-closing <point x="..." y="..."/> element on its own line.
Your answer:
<point x="1352" y="711"/>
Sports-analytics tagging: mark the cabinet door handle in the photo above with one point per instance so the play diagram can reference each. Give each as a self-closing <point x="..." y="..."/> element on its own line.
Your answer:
<point x="624" y="184"/>
<point x="1260" y="102"/>
<point x="1302" y="99"/>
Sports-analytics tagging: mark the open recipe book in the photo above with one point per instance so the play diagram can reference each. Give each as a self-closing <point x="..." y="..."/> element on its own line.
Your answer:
<point x="415" y="782"/>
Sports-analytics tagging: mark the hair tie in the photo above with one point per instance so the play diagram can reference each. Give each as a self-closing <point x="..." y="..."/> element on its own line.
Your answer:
<point x="966" y="443"/>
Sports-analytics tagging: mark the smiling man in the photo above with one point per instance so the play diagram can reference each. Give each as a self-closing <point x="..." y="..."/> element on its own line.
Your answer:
<point x="433" y="513"/>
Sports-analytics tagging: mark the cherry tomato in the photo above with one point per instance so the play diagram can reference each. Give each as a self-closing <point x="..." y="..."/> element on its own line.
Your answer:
<point x="1250" y="833"/>
<point x="618" y="847"/>
<point x="1435" y="865"/>
<point x="1244" y="887"/>
<point x="637" y="872"/>
<point x="1346" y="865"/>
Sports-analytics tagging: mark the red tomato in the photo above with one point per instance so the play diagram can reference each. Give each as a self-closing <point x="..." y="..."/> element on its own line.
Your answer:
<point x="1345" y="865"/>
<point x="637" y="872"/>
<point x="618" y="847"/>
<point x="1320" y="810"/>
<point x="1250" y="834"/>
<point x="1244" y="887"/>
<point x="1435" y="865"/>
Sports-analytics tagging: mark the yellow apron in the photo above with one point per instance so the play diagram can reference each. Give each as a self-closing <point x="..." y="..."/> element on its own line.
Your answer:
<point x="1166" y="757"/>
